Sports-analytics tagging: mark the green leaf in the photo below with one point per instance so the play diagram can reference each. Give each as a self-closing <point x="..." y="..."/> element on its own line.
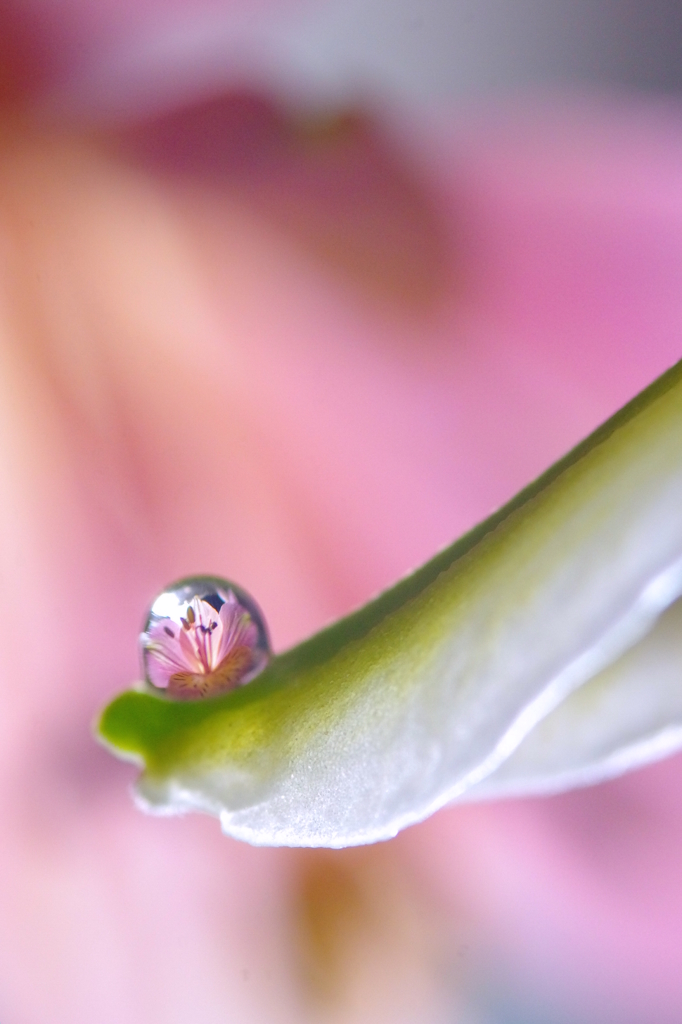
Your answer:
<point x="423" y="695"/>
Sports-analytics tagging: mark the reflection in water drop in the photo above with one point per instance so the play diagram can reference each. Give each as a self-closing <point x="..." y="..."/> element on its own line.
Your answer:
<point x="203" y="636"/>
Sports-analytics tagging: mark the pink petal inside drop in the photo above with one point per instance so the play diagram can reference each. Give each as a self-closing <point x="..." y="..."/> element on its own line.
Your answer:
<point x="199" y="651"/>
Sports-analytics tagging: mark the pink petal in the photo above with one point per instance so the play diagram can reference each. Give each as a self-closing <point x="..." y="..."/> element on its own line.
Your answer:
<point x="352" y="433"/>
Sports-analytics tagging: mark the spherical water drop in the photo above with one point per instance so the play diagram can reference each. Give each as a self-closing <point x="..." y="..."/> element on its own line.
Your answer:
<point x="203" y="636"/>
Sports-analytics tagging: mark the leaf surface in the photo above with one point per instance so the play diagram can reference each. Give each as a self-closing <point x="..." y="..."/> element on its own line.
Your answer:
<point x="628" y="715"/>
<point x="423" y="695"/>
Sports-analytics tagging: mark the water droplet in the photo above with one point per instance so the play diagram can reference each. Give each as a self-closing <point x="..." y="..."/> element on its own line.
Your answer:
<point x="203" y="636"/>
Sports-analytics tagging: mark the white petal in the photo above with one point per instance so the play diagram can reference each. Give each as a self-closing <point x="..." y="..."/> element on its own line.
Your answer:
<point x="628" y="715"/>
<point x="424" y="693"/>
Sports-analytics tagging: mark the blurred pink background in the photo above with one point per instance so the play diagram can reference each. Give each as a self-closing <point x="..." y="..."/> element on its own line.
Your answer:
<point x="304" y="349"/>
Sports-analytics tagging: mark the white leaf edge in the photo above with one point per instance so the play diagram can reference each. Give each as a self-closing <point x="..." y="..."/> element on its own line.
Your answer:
<point x="627" y="716"/>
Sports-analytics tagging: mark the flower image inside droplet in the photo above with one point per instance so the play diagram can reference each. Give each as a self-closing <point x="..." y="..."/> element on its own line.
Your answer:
<point x="203" y="636"/>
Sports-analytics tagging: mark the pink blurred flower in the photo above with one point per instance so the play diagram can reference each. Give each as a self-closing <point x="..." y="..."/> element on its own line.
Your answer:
<point x="385" y="335"/>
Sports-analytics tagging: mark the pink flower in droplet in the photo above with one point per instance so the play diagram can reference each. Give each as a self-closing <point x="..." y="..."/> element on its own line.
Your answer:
<point x="198" y="651"/>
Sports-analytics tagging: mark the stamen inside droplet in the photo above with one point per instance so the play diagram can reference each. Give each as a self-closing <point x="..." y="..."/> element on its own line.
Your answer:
<point x="219" y="642"/>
